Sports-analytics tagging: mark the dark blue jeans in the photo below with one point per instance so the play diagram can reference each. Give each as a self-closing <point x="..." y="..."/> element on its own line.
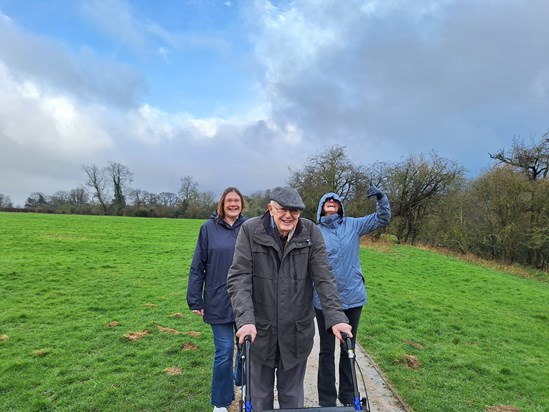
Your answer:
<point x="327" y="392"/>
<point x="223" y="374"/>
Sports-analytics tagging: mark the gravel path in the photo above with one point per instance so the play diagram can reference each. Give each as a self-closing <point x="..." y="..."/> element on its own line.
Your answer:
<point x="382" y="397"/>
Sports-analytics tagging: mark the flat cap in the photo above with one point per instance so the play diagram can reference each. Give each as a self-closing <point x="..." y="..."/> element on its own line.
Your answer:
<point x="287" y="197"/>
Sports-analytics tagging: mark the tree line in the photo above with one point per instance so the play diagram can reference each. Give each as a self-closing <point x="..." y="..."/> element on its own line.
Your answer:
<point x="107" y="191"/>
<point x="502" y="214"/>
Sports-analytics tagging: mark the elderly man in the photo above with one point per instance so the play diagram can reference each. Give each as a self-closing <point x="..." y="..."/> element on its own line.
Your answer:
<point x="278" y="259"/>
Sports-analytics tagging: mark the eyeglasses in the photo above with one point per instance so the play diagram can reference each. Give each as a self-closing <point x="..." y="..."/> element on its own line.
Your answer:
<point x="283" y="210"/>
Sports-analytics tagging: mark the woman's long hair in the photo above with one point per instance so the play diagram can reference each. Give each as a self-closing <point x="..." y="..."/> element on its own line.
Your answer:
<point x="221" y="203"/>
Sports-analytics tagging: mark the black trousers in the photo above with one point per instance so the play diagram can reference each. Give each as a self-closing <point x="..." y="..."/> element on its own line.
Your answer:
<point x="327" y="392"/>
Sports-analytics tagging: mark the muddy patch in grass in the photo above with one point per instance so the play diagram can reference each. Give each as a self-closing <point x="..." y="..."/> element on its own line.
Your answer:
<point x="413" y="343"/>
<point x="173" y="371"/>
<point x="149" y="305"/>
<point x="185" y="346"/>
<point x="131" y="336"/>
<point x="502" y="408"/>
<point x="167" y="330"/>
<point x="412" y="362"/>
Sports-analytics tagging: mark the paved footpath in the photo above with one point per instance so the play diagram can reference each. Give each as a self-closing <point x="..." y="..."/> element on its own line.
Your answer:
<point x="381" y="395"/>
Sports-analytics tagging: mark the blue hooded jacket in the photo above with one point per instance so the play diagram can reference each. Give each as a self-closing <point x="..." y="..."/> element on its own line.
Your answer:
<point x="213" y="256"/>
<point x="342" y="236"/>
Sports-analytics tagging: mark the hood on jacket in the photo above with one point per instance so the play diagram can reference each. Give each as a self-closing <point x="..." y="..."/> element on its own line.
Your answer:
<point x="323" y="199"/>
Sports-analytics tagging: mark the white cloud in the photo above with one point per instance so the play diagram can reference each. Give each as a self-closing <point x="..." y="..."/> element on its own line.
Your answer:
<point x="443" y="75"/>
<point x="36" y="119"/>
<point x="50" y="65"/>
<point x="382" y="78"/>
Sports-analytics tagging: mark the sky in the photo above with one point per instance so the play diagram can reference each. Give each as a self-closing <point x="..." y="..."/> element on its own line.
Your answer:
<point x="239" y="93"/>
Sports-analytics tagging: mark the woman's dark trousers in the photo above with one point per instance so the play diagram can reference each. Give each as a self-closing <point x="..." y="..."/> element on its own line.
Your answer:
<point x="327" y="392"/>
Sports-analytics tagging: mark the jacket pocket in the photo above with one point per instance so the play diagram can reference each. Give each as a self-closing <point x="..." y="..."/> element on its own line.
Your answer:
<point x="262" y="343"/>
<point x="300" y="263"/>
<point x="264" y="263"/>
<point x="304" y="335"/>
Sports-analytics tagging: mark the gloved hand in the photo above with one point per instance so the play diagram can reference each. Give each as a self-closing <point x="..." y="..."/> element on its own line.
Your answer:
<point x="374" y="191"/>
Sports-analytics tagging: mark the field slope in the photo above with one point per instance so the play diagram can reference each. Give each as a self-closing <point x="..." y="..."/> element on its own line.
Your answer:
<point x="93" y="318"/>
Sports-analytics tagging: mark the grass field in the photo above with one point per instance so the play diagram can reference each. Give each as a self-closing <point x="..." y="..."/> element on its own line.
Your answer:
<point x="93" y="318"/>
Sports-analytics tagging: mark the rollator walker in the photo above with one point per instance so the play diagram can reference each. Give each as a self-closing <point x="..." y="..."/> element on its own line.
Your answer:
<point x="359" y="404"/>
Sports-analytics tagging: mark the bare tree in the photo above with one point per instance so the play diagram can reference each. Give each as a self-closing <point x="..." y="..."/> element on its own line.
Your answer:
<point x="202" y="206"/>
<point x="137" y="197"/>
<point x="36" y="200"/>
<point x="97" y="182"/>
<point x="188" y="193"/>
<point x="330" y="171"/>
<point x="120" y="176"/>
<point x="533" y="159"/>
<point x="78" y="197"/>
<point x="415" y="186"/>
<point x="5" y="201"/>
<point x="167" y="199"/>
<point x="59" y="200"/>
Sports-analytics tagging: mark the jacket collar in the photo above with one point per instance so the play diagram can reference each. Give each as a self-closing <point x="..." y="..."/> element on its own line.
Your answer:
<point x="329" y="221"/>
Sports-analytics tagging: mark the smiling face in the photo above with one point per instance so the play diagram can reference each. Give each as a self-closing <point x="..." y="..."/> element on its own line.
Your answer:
<point x="232" y="207"/>
<point x="331" y="206"/>
<point x="285" y="219"/>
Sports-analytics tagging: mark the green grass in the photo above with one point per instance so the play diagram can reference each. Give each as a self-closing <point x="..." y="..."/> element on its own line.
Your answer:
<point x="481" y="337"/>
<point x="63" y="279"/>
<point x="479" y="334"/>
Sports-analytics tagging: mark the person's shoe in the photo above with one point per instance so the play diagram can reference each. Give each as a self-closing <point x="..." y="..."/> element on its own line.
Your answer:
<point x="222" y="409"/>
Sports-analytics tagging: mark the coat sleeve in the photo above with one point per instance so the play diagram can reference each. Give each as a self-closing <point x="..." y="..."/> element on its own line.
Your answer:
<point x="197" y="272"/>
<point x="324" y="280"/>
<point x="240" y="278"/>
<point x="381" y="217"/>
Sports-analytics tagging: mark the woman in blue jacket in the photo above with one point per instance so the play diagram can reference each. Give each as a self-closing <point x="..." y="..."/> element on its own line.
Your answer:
<point x="342" y="236"/>
<point x="207" y="294"/>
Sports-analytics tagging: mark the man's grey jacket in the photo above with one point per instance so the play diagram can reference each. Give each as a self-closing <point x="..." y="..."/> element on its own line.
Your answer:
<point x="273" y="289"/>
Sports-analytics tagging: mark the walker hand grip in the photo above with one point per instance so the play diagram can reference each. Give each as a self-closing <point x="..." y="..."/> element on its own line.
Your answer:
<point x="347" y="340"/>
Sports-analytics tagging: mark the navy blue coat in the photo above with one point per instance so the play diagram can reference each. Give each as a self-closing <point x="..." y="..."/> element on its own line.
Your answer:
<point x="212" y="259"/>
